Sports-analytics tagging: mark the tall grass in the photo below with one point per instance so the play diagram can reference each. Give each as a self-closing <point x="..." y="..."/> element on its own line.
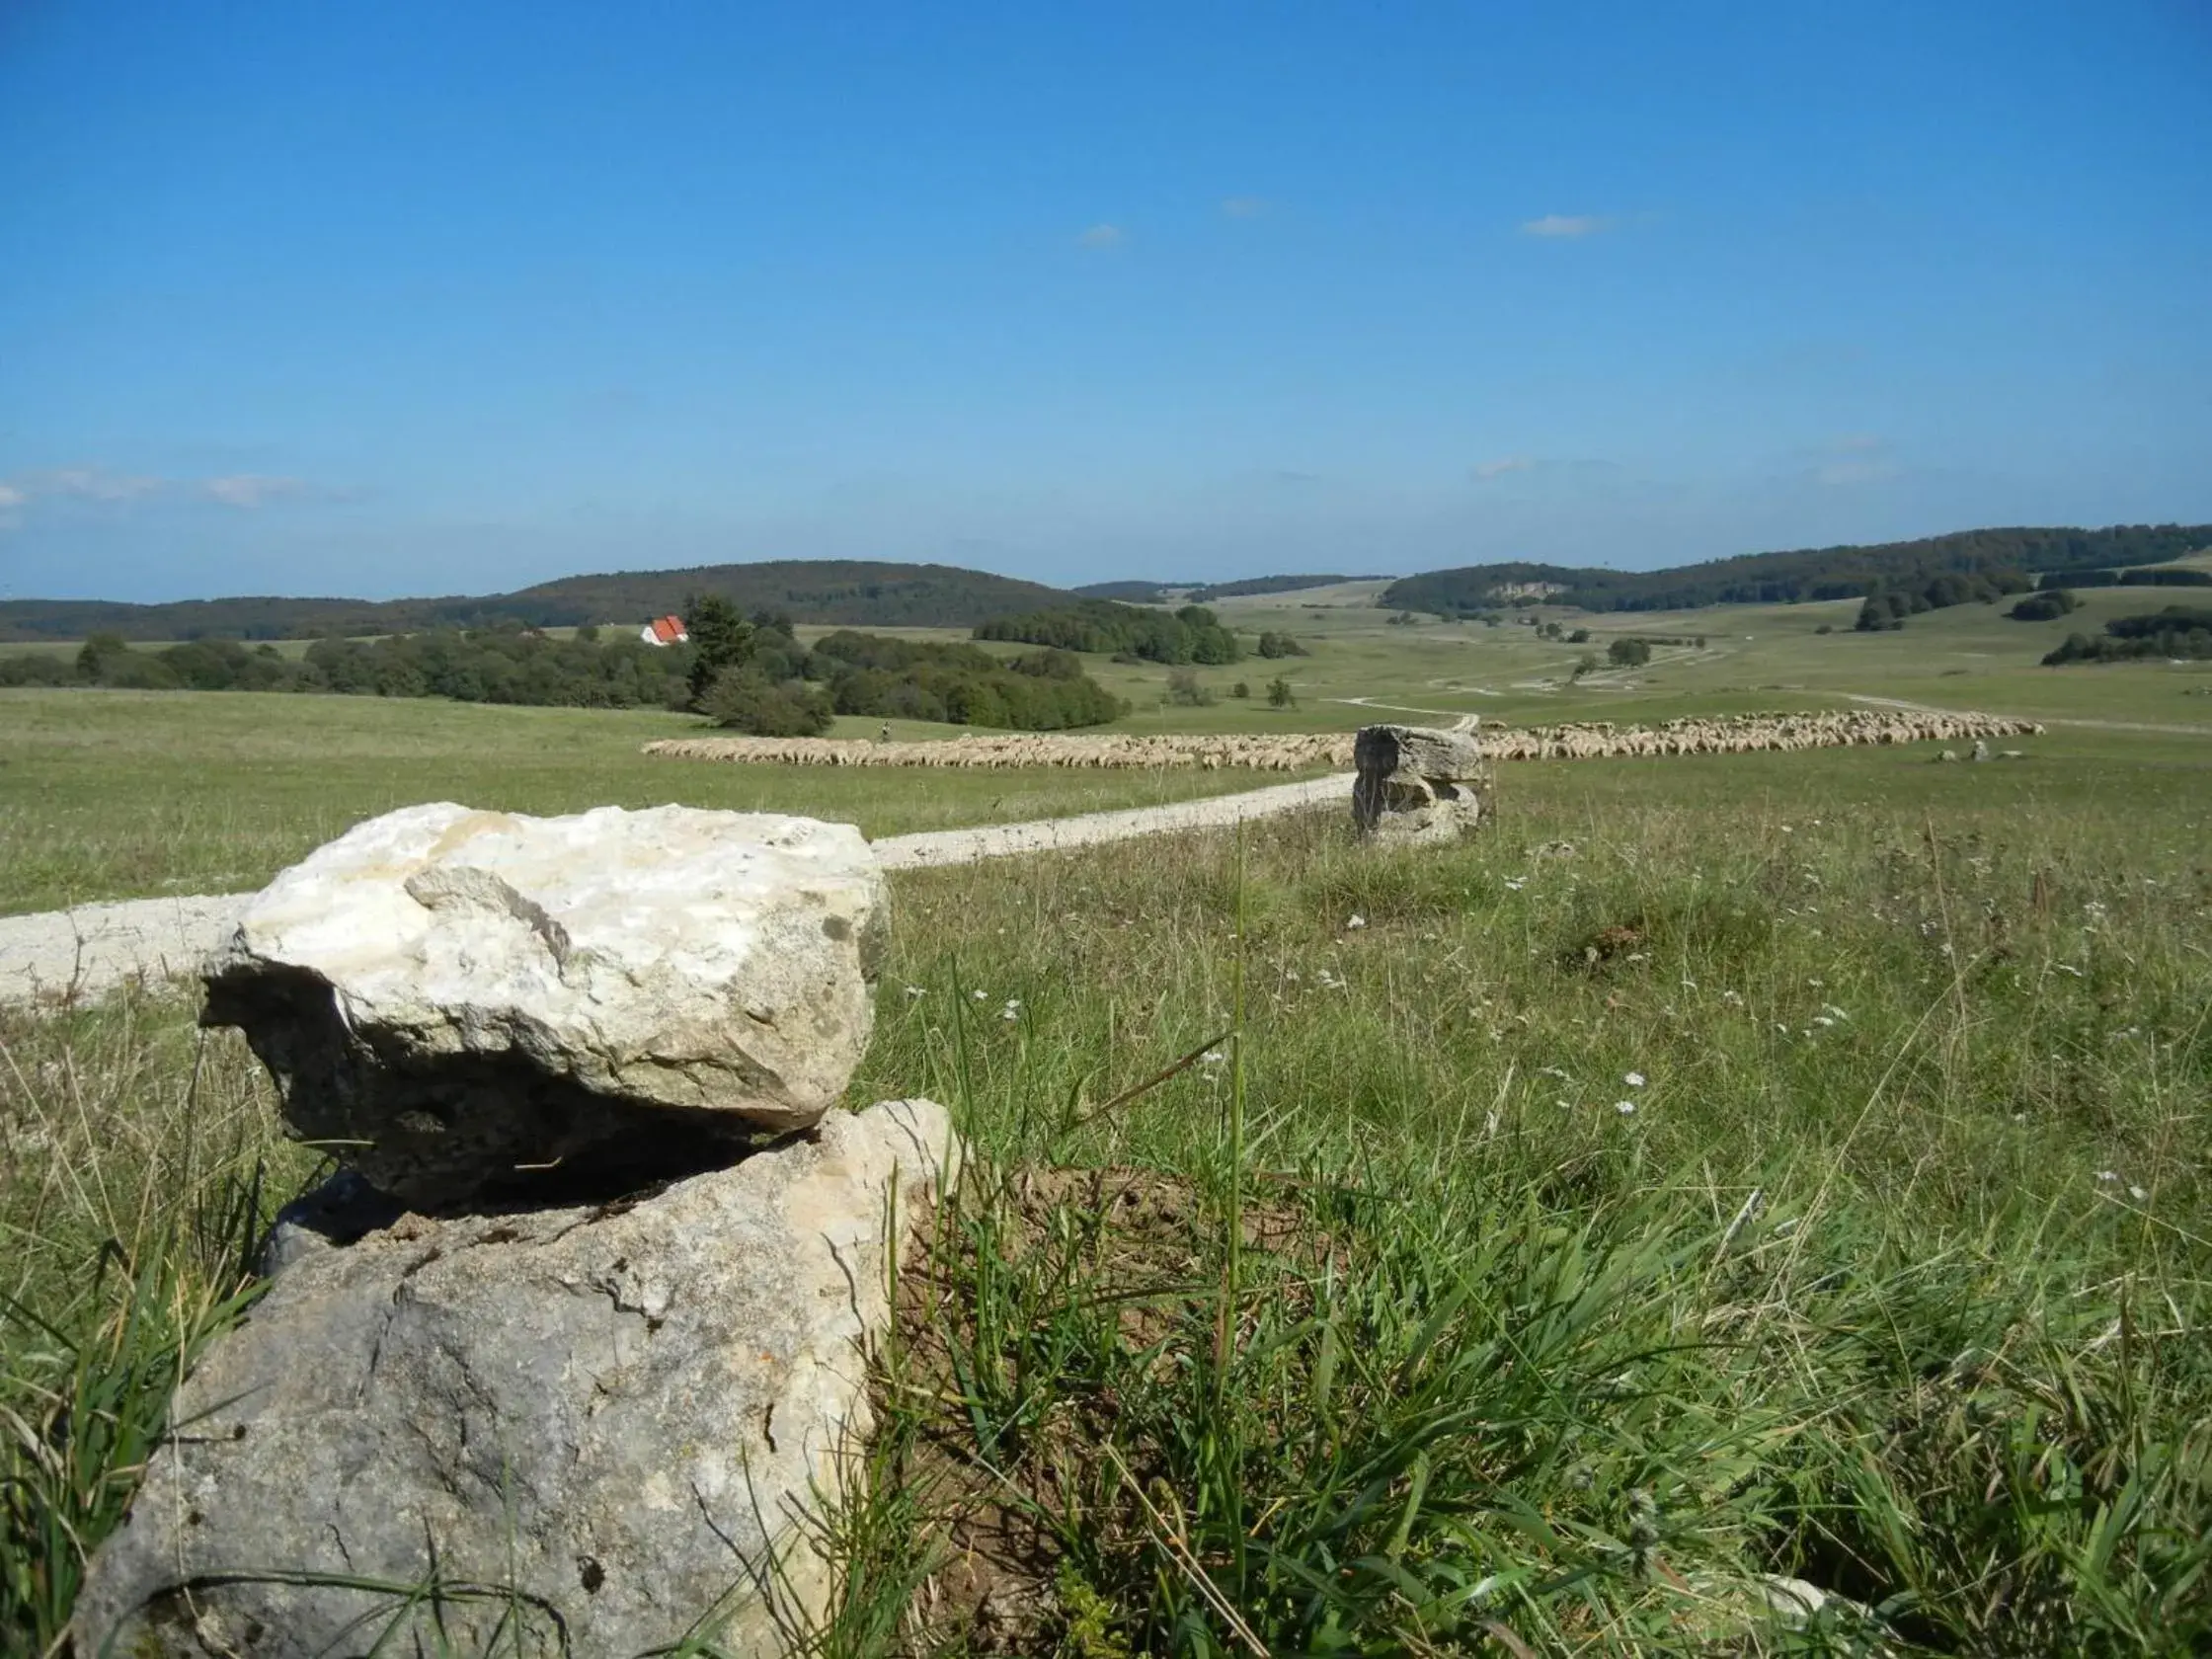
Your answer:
<point x="1382" y="1328"/>
<point x="1674" y="1218"/>
<point x="138" y="1164"/>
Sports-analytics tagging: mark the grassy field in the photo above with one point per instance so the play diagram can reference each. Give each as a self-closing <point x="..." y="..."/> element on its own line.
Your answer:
<point x="1720" y="1168"/>
<point x="126" y="794"/>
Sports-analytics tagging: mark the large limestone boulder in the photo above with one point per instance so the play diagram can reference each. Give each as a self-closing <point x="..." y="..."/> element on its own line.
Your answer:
<point x="466" y="1003"/>
<point x="608" y="1420"/>
<point x="1415" y="783"/>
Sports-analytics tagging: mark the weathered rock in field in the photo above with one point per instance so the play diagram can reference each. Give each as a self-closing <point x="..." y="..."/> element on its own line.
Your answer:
<point x="1416" y="785"/>
<point x="470" y="1004"/>
<point x="610" y="1421"/>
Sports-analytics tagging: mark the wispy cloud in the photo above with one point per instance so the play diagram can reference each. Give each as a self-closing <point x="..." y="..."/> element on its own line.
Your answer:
<point x="1854" y="472"/>
<point x="1566" y="225"/>
<point x="107" y="487"/>
<point x="254" y="488"/>
<point x="1102" y="236"/>
<point x="1854" y="458"/>
<point x="1244" y="206"/>
<point x="1484" y="471"/>
<point x="98" y="483"/>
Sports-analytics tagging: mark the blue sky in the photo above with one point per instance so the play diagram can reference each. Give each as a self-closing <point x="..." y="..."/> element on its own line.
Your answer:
<point x="393" y="299"/>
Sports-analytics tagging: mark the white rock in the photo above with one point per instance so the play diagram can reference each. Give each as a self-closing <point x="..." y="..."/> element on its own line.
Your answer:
<point x="623" y="1414"/>
<point x="463" y="1001"/>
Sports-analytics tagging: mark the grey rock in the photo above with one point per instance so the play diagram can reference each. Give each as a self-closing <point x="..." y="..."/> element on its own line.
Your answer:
<point x="1416" y="785"/>
<point x="593" y="1430"/>
<point x="469" y="1004"/>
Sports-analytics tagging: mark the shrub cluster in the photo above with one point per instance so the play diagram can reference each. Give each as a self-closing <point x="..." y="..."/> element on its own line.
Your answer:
<point x="2178" y="631"/>
<point x="1189" y="634"/>
<point x="1281" y="645"/>
<point x="1039" y="691"/>
<point x="1888" y="606"/>
<point x="2155" y="576"/>
<point x="2047" y="606"/>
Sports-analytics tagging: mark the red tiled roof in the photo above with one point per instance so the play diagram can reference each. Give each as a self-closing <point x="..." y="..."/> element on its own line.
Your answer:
<point x="667" y="629"/>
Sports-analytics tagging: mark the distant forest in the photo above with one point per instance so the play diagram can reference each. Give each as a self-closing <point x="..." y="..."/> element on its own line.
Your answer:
<point x="751" y="674"/>
<point x="1190" y="635"/>
<point x="1203" y="593"/>
<point x="848" y="593"/>
<point x="1827" y="573"/>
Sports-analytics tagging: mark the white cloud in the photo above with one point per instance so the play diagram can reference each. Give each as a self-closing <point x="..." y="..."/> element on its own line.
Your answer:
<point x="1484" y="471"/>
<point x="1244" y="206"/>
<point x="9" y="495"/>
<point x="1859" y="443"/>
<point x="89" y="484"/>
<point x="1565" y="224"/>
<point x="1101" y="236"/>
<point x="253" y="489"/>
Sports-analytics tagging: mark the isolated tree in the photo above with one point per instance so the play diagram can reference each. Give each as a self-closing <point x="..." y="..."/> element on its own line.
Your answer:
<point x="1585" y="664"/>
<point x="1629" y="653"/>
<point x="1279" y="694"/>
<point x="96" y="652"/>
<point x="1581" y="636"/>
<point x="1184" y="690"/>
<point x="720" y="639"/>
<point x="1240" y="689"/>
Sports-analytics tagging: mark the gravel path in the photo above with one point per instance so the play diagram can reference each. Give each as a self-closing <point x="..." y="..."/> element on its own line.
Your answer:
<point x="92" y="949"/>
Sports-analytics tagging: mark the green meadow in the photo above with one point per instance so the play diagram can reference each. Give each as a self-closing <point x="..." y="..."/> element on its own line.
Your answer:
<point x="1722" y="1179"/>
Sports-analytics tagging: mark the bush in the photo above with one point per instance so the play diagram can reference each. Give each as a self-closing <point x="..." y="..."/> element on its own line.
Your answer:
<point x="1185" y="691"/>
<point x="2046" y="606"/>
<point x="744" y="700"/>
<point x="1279" y="694"/>
<point x="1629" y="653"/>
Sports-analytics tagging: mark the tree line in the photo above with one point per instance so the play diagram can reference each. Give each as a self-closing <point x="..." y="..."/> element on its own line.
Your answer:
<point x="1888" y="606"/>
<point x="2178" y="631"/>
<point x="1190" y="635"/>
<point x="750" y="674"/>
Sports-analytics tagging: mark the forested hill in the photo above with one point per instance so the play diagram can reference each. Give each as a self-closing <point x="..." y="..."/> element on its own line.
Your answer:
<point x="1203" y="592"/>
<point x="1821" y="573"/>
<point x="845" y="592"/>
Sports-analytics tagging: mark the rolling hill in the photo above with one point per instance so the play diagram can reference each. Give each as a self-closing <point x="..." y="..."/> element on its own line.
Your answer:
<point x="842" y="592"/>
<point x="1205" y="593"/>
<point x="1825" y="573"/>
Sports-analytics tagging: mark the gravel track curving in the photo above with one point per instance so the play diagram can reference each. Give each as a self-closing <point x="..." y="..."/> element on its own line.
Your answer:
<point x="68" y="954"/>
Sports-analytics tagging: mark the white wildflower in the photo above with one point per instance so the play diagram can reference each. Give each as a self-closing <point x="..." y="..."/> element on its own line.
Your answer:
<point x="2107" y="1177"/>
<point x="1626" y="1108"/>
<point x="1634" y="1079"/>
<point x="918" y="990"/>
<point x="1357" y="920"/>
<point x="1514" y="884"/>
<point x="2138" y="1194"/>
<point x="979" y="996"/>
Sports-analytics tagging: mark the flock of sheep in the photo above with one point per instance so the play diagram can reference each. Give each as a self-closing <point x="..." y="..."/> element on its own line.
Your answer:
<point x="1297" y="752"/>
